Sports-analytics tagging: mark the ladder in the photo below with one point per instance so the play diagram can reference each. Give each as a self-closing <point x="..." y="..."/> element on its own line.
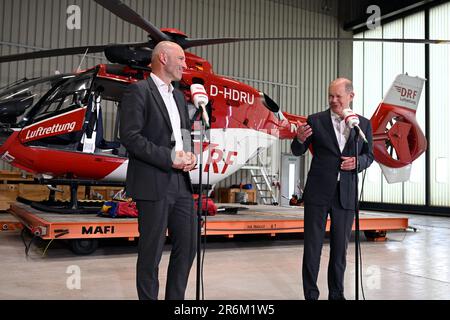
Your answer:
<point x="263" y="182"/>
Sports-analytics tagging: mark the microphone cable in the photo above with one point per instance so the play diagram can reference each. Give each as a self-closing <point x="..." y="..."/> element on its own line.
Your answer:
<point x="359" y="243"/>
<point x="204" y="236"/>
<point x="357" y="211"/>
<point x="204" y="216"/>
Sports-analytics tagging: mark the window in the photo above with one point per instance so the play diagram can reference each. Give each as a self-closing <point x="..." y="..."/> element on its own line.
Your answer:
<point x="71" y="95"/>
<point x="375" y="66"/>
<point x="439" y="109"/>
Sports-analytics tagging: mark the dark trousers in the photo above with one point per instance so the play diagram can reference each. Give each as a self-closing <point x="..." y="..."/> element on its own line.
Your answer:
<point x="174" y="213"/>
<point x="314" y="232"/>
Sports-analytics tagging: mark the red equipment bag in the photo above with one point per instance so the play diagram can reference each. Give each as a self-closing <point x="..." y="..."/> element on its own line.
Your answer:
<point x="208" y="206"/>
<point x="119" y="209"/>
<point x="127" y="209"/>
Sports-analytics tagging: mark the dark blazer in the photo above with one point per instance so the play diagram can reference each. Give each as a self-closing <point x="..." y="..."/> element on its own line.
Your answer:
<point x="325" y="165"/>
<point x="146" y="133"/>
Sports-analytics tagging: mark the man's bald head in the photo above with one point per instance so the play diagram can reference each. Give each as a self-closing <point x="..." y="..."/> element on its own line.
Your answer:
<point x="168" y="61"/>
<point x="164" y="47"/>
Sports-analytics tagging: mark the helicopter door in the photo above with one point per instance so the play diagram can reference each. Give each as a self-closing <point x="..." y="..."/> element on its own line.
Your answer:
<point x="93" y="140"/>
<point x="57" y="120"/>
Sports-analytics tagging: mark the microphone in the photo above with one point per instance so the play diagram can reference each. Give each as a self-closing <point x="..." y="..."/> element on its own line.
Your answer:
<point x="352" y="121"/>
<point x="200" y="99"/>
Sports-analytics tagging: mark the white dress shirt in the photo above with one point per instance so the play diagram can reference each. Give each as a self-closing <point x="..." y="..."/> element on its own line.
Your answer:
<point x="166" y="92"/>
<point x="342" y="132"/>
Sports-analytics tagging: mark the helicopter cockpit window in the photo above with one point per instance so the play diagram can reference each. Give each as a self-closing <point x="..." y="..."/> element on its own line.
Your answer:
<point x="27" y="88"/>
<point x="70" y="95"/>
<point x="18" y="99"/>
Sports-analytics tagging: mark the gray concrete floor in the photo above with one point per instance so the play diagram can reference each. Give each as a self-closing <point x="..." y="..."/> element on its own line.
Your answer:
<point x="409" y="265"/>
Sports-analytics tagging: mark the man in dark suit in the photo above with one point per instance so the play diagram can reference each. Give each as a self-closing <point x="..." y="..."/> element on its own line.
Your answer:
<point x="155" y="130"/>
<point x="330" y="187"/>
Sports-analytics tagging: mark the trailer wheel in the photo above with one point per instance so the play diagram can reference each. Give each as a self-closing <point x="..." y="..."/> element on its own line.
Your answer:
<point x="83" y="246"/>
<point x="375" y="235"/>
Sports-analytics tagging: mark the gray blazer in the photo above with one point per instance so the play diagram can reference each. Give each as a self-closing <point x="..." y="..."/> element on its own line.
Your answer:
<point x="325" y="165"/>
<point x="146" y="133"/>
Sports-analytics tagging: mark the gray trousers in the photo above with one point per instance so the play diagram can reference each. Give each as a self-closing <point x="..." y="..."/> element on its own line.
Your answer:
<point x="314" y="232"/>
<point x="174" y="213"/>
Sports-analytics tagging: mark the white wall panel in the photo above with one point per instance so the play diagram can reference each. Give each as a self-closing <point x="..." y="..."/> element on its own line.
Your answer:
<point x="414" y="64"/>
<point x="392" y="65"/>
<point x="372" y="95"/>
<point x="439" y="108"/>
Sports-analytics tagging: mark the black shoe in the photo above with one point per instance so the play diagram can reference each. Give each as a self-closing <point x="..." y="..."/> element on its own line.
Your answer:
<point x="336" y="297"/>
<point x="310" y="298"/>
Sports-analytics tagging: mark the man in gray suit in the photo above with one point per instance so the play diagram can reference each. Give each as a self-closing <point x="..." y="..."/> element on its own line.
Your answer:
<point x="330" y="187"/>
<point x="155" y="130"/>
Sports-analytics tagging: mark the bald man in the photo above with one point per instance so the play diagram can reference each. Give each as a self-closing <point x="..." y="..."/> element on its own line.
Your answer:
<point x="155" y="130"/>
<point x="330" y="187"/>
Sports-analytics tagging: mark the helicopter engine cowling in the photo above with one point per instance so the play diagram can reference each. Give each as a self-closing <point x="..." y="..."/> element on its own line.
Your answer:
<point x="128" y="56"/>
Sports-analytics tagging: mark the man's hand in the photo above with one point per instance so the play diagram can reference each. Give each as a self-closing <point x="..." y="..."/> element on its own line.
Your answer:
<point x="303" y="132"/>
<point x="185" y="161"/>
<point x="191" y="161"/>
<point x="180" y="160"/>
<point x="348" y="163"/>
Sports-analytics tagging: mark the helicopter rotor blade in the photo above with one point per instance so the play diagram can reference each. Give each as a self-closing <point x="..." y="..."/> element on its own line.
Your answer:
<point x="189" y="43"/>
<point x="63" y="52"/>
<point x="126" y="13"/>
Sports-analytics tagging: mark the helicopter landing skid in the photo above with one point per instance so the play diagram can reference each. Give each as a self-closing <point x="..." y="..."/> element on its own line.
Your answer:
<point x="64" y="207"/>
<point x="74" y="206"/>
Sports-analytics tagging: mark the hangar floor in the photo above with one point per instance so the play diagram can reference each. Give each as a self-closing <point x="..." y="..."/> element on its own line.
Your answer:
<point x="409" y="265"/>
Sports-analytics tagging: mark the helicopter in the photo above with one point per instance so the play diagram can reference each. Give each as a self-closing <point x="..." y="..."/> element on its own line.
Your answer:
<point x="52" y="127"/>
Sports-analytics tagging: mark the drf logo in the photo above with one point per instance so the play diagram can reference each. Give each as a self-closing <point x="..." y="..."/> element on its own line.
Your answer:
<point x="406" y="93"/>
<point x="74" y="280"/>
<point x="216" y="155"/>
<point x="74" y="19"/>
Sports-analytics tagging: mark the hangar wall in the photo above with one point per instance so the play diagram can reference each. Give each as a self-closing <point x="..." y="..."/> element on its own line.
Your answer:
<point x="295" y="74"/>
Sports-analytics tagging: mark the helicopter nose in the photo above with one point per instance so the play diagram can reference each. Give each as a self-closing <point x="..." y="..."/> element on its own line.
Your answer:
<point x="5" y="133"/>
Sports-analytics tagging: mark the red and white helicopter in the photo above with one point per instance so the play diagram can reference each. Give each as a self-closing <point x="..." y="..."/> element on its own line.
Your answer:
<point x="52" y="127"/>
